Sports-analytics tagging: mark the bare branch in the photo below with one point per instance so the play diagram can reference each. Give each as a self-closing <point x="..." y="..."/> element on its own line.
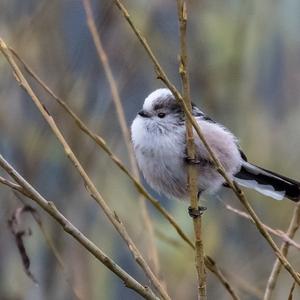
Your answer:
<point x="284" y="236"/>
<point x="211" y="265"/>
<point x="290" y="297"/>
<point x="192" y="175"/>
<point x="91" y="188"/>
<point x="103" y="58"/>
<point x="12" y="185"/>
<point x="288" y="240"/>
<point x="103" y="145"/>
<point x="68" y="227"/>
<point x="240" y="195"/>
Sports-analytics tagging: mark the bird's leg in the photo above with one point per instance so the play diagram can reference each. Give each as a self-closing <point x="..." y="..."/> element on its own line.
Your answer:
<point x="196" y="212"/>
<point x="191" y="161"/>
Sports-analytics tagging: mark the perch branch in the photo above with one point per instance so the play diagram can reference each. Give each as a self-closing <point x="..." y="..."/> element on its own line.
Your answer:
<point x="103" y="145"/>
<point x="191" y="151"/>
<point x="240" y="195"/>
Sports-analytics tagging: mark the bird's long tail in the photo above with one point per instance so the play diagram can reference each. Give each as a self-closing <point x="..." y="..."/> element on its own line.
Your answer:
<point x="268" y="183"/>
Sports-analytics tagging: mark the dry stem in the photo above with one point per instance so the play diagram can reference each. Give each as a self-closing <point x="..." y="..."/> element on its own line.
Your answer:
<point x="27" y="190"/>
<point x="91" y="188"/>
<point x="240" y="195"/>
<point x="285" y="236"/>
<point x="293" y="227"/>
<point x="211" y="265"/>
<point x="192" y="175"/>
<point x="290" y="297"/>
<point x="152" y="249"/>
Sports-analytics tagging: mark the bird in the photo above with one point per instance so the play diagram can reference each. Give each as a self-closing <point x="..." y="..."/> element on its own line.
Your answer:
<point x="158" y="135"/>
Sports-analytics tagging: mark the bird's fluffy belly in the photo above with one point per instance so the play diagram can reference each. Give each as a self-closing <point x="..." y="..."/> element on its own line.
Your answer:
<point x="161" y="158"/>
<point x="163" y="167"/>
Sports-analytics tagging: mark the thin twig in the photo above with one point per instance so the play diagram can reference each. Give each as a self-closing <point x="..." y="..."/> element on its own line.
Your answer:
<point x="12" y="185"/>
<point x="90" y="186"/>
<point x="285" y="236"/>
<point x="240" y="195"/>
<point x="27" y="190"/>
<point x="245" y="286"/>
<point x="103" y="145"/>
<point x="103" y="58"/>
<point x="293" y="227"/>
<point x="290" y="297"/>
<point x="211" y="265"/>
<point x="192" y="175"/>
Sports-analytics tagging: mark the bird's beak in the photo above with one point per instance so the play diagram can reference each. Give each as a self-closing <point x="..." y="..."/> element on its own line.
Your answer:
<point x="144" y="114"/>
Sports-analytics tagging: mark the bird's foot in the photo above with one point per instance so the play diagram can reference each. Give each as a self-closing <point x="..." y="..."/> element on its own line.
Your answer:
<point x="196" y="212"/>
<point x="191" y="161"/>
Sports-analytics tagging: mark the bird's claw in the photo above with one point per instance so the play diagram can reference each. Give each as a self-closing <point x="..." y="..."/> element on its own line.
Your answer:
<point x="196" y="212"/>
<point x="192" y="161"/>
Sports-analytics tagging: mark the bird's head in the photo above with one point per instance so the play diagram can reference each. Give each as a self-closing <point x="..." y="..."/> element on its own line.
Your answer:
<point x="161" y="111"/>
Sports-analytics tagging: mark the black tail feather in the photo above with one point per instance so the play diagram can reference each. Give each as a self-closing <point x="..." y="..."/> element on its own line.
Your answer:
<point x="263" y="177"/>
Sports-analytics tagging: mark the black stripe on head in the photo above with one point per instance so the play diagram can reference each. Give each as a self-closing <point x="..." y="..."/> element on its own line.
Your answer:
<point x="166" y="101"/>
<point x="198" y="113"/>
<point x="158" y="106"/>
<point x="175" y="108"/>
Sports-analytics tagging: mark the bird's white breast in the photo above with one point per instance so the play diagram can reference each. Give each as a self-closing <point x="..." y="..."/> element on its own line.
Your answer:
<point x="160" y="157"/>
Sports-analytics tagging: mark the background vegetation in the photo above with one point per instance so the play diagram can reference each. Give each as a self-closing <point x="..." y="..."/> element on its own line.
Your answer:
<point x="245" y="73"/>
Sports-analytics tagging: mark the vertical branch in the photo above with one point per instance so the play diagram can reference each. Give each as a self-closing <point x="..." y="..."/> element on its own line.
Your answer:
<point x="191" y="151"/>
<point x="152" y="251"/>
<point x="293" y="227"/>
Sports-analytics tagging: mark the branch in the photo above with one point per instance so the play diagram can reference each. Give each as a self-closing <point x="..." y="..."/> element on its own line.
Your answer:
<point x="153" y="255"/>
<point x="100" y="142"/>
<point x="211" y="265"/>
<point x="293" y="227"/>
<point x="103" y="145"/>
<point x="290" y="297"/>
<point x="286" y="237"/>
<point x="240" y="195"/>
<point x="192" y="174"/>
<point x="13" y="186"/>
<point x="91" y="188"/>
<point x="27" y="190"/>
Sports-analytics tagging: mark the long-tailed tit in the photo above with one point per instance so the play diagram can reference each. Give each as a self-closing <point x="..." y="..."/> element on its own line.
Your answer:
<point x="159" y="140"/>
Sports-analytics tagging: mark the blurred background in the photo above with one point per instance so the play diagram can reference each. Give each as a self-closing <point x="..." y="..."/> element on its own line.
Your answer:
<point x="245" y="73"/>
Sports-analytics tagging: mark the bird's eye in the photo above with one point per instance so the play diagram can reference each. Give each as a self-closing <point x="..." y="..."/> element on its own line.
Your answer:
<point x="161" y="115"/>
